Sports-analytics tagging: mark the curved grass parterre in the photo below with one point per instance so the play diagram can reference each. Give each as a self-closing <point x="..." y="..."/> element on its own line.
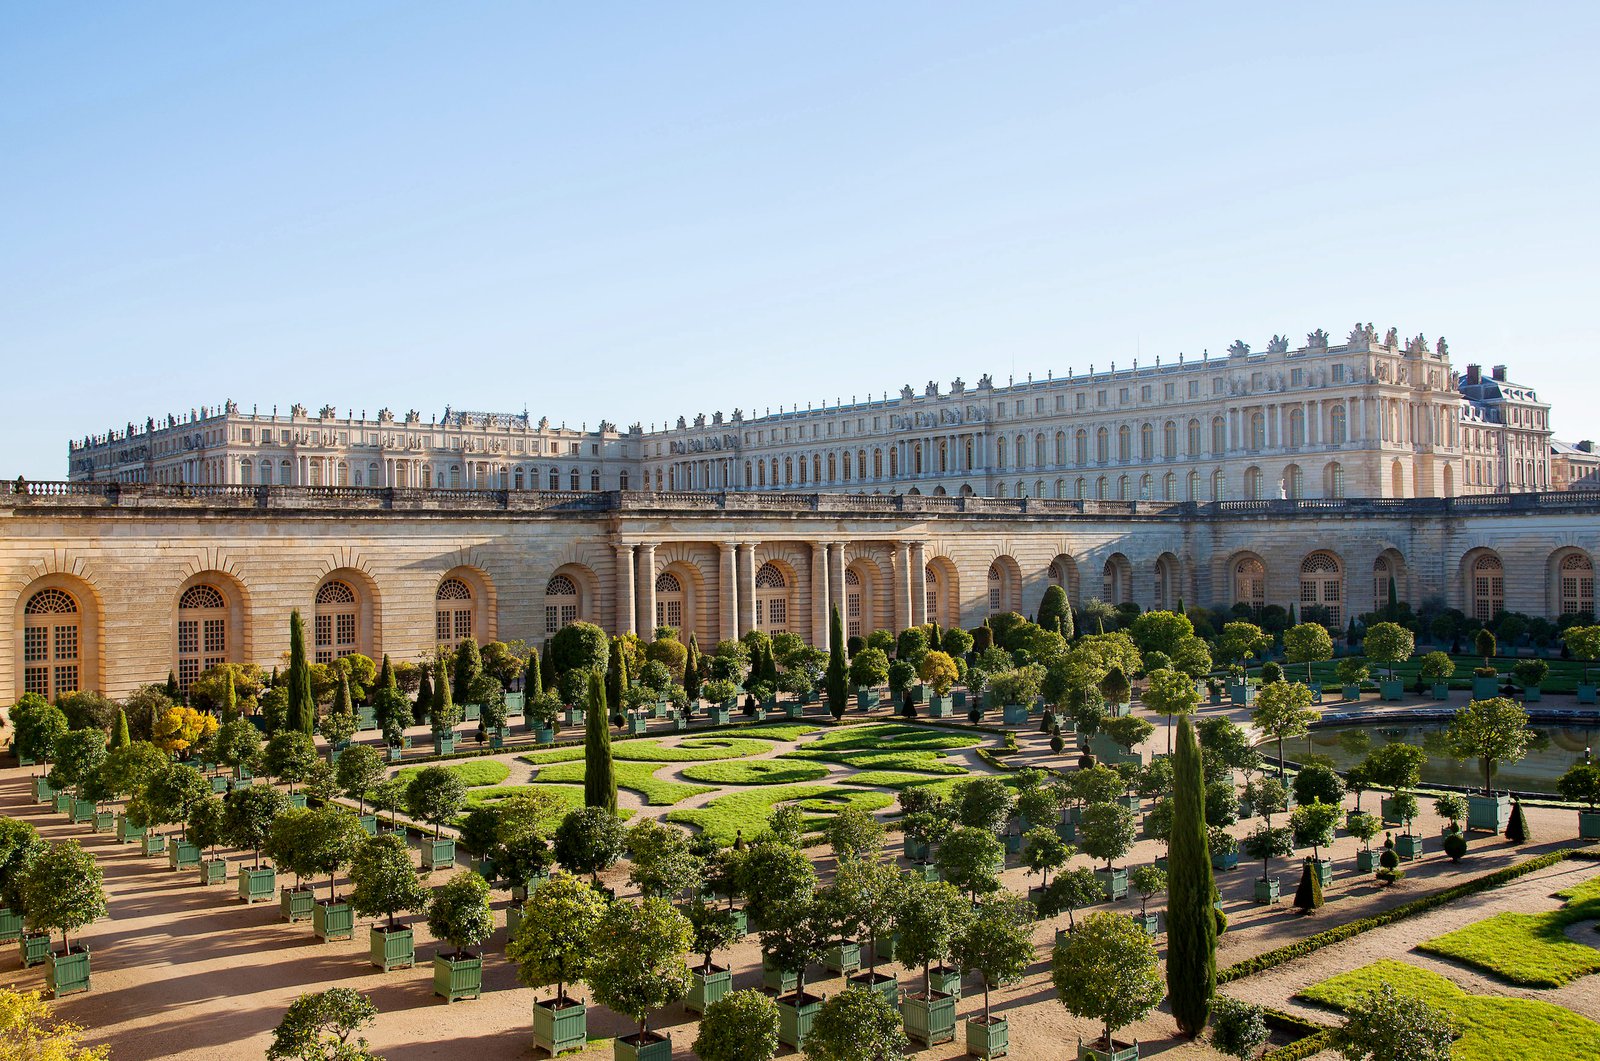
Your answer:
<point x="724" y="818"/>
<point x="756" y="772"/>
<point x="1529" y="949"/>
<point x="892" y="736"/>
<point x="1492" y="1028"/>
<point x="635" y="776"/>
<point x="776" y="731"/>
<point x="688" y="750"/>
<point x="897" y="780"/>
<point x="927" y="762"/>
<point x="474" y="773"/>
<point x="570" y="797"/>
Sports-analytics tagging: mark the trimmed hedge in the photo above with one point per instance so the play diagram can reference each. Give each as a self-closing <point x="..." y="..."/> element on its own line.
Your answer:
<point x="1273" y="958"/>
<point x="1301" y="1049"/>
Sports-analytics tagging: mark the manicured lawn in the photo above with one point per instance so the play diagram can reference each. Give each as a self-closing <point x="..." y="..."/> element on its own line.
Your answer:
<point x="554" y="755"/>
<point x="891" y="736"/>
<point x="1529" y="949"/>
<point x="1492" y="1028"/>
<point x="928" y="762"/>
<point x="756" y="772"/>
<point x="726" y="816"/>
<point x="896" y="779"/>
<point x="635" y="776"/>
<point x="571" y="797"/>
<point x="779" y="731"/>
<point x="474" y="773"/>
<point x="690" y="750"/>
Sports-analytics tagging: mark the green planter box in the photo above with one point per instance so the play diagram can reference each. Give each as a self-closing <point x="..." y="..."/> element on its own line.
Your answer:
<point x="844" y="958"/>
<point x="243" y="773"/>
<point x="1150" y="923"/>
<point x="1440" y="691"/>
<point x="471" y="712"/>
<point x="926" y="870"/>
<point x="295" y="904"/>
<point x="929" y="1020"/>
<point x="1485" y="688"/>
<point x="866" y="699"/>
<point x="1532" y="694"/>
<point x="941" y="706"/>
<point x="1366" y="861"/>
<point x="780" y="981"/>
<point x="444" y="744"/>
<point x="369" y="822"/>
<point x="795" y="1017"/>
<point x="1408" y="846"/>
<point x="42" y="791"/>
<point x="10" y="925"/>
<point x="513" y="920"/>
<point x="1266" y="889"/>
<point x="1324" y="868"/>
<point x="457" y="976"/>
<point x="438" y="854"/>
<point x="560" y="1025"/>
<point x="34" y="947"/>
<point x="1114" y="882"/>
<point x="572" y="716"/>
<point x="1225" y="860"/>
<point x="297" y="800"/>
<point x="914" y="851"/>
<point x="656" y="1047"/>
<point x="706" y="987"/>
<point x="1067" y="829"/>
<point x="1589" y="825"/>
<point x="395" y="753"/>
<point x="1386" y="808"/>
<point x="213" y="871"/>
<point x="637" y="724"/>
<point x="1392" y="690"/>
<point x="61" y="802"/>
<point x="332" y="920"/>
<point x="1241" y="694"/>
<point x="391" y="948"/>
<point x="127" y="832"/>
<point x="515" y="703"/>
<point x="181" y="854"/>
<point x="544" y="735"/>
<point x="1588" y="694"/>
<point x="105" y="821"/>
<point x="153" y="843"/>
<point x="67" y="974"/>
<point x="257" y="885"/>
<point x="1489" y="813"/>
<point x="1118" y="1051"/>
<point x="1012" y="715"/>
<point x="721" y="713"/>
<point x="1351" y="692"/>
<point x="82" y="811"/>
<point x="886" y="947"/>
<point x="794" y="712"/>
<point x="988" y="1040"/>
<point x="883" y="984"/>
<point x="945" y="981"/>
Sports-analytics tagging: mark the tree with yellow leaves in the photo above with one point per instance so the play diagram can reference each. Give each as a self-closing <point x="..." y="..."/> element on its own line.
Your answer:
<point x="29" y="1033"/>
<point x="181" y="728"/>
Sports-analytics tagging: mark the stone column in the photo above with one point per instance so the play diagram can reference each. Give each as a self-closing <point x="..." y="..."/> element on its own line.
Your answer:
<point x="728" y="592"/>
<point x="902" y="586"/>
<point x="646" y="616"/>
<point x="836" y="581"/>
<point x="625" y="590"/>
<point x="918" y="584"/>
<point x="820" y="597"/>
<point x="747" y="587"/>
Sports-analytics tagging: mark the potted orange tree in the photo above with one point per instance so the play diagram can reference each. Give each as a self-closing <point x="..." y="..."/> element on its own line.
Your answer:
<point x="997" y="944"/>
<point x="383" y="883"/>
<point x="247" y="816"/>
<point x="459" y="914"/>
<point x="551" y="946"/>
<point x="638" y="964"/>
<point x="63" y="889"/>
<point x="1107" y="971"/>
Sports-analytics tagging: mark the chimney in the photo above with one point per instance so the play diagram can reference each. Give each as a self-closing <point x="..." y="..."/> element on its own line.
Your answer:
<point x="1474" y="374"/>
<point x="1499" y="373"/>
<point x="1586" y="445"/>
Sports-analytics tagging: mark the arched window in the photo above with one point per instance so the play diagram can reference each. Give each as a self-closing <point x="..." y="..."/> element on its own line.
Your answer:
<point x="1219" y="436"/>
<point x="1488" y="587"/>
<point x="1322" y="586"/>
<point x="1382" y="573"/>
<point x="1577" y="585"/>
<point x="202" y="632"/>
<point x="1194" y="439"/>
<point x="1061" y="448"/>
<point x="1294" y="481"/>
<point x="877" y="464"/>
<point x="1252" y="484"/>
<point x="1080" y="445"/>
<point x="555" y="478"/>
<point x="996" y="589"/>
<point x="845" y="462"/>
<point x="1038" y="451"/>
<point x="1258" y="431"/>
<point x="1250" y="582"/>
<point x="1397" y="479"/>
<point x="594" y="480"/>
<point x="1117" y="580"/>
<point x="1169" y="441"/>
<point x="1297" y="427"/>
<point x="772" y="599"/>
<point x="1335" y="479"/>
<point x="264" y="473"/>
<point x="1080" y="489"/>
<point x="560" y="604"/>
<point x="788" y="470"/>
<point x="1124" y="443"/>
<point x="1102" y="446"/>
<point x="1122" y="488"/>
<point x="833" y="466"/>
<point x="1101" y="489"/>
<point x="894" y="463"/>
<point x="1336" y="425"/>
<point x="517" y="479"/>
<point x="452" y="612"/>
<point x="336" y="623"/>
<point x="1219" y="486"/>
<point x="1169" y="487"/>
<point x="852" y="603"/>
<point x="930" y="593"/>
<point x="574" y="479"/>
<point x="1147" y="442"/>
<point x="669" y="600"/>
<point x="247" y="470"/>
<point x="50" y="640"/>
<point x="1192" y="492"/>
<point x="1000" y="452"/>
<point x="1020" y="454"/>
<point x="1145" y="488"/>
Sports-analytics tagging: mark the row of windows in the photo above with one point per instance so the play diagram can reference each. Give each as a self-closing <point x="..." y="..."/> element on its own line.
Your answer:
<point x="427" y="477"/>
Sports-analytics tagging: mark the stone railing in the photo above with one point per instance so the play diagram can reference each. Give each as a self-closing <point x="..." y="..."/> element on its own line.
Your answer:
<point x="21" y="494"/>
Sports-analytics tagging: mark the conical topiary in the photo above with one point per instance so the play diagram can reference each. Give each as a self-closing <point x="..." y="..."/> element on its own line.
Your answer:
<point x="599" y="776"/>
<point x="1308" y="896"/>
<point x="1517" y="827"/>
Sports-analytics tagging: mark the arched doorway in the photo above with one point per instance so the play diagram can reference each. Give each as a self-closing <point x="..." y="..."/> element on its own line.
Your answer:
<point x="1117" y="580"/>
<point x="669" y="601"/>
<point x="1322" y="587"/>
<point x="336" y="623"/>
<point x="1250" y="582"/>
<point x="1488" y="587"/>
<point x="51" y="643"/>
<point x="1575" y="583"/>
<point x="202" y="632"/>
<point x="772" y="599"/>
<point x="452" y="611"/>
<point x="561" y="603"/>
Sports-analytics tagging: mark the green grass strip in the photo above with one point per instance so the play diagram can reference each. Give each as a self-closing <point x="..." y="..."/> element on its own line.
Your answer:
<point x="756" y="772"/>
<point x="928" y="762"/>
<point x="1273" y="958"/>
<point x="1491" y="1028"/>
<point x="571" y="798"/>
<point x="747" y="812"/>
<point x="776" y="731"/>
<point x="887" y="736"/>
<point x="1528" y="949"/>
<point x="474" y="773"/>
<point x="636" y="777"/>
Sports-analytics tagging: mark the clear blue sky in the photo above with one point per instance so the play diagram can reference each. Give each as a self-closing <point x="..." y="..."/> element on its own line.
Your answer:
<point x="637" y="211"/>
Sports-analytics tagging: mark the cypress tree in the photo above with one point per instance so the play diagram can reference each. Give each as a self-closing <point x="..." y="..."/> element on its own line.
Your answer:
<point x="547" y="673"/>
<point x="616" y="674"/>
<point x="174" y="693"/>
<point x="1292" y="620"/>
<point x="302" y="707"/>
<point x="424" y="711"/>
<point x="530" y="681"/>
<point x="599" y="779"/>
<point x="341" y="695"/>
<point x="691" y="669"/>
<point x="837" y="686"/>
<point x="444" y="705"/>
<point x="230" y="699"/>
<point x="385" y="675"/>
<point x="769" y="667"/>
<point x="1191" y="891"/>
<point x="119" y="735"/>
<point x="1052" y="607"/>
<point x="1394" y="598"/>
<point x="469" y="668"/>
<point x="1181" y="609"/>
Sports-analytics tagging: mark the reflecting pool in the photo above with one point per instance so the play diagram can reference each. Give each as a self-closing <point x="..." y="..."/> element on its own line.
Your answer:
<point x="1556" y="747"/>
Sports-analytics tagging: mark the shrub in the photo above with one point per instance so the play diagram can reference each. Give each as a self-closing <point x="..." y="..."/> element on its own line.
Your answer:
<point x="1455" y="845"/>
<point x="459" y="912"/>
<point x="856" y="1025"/>
<point x="1238" y="1029"/>
<point x="739" y="1026"/>
<point x="318" y="1027"/>
<point x="1385" y="1025"/>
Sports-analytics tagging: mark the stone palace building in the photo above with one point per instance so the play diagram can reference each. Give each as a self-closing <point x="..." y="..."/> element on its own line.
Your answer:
<point x="1311" y="476"/>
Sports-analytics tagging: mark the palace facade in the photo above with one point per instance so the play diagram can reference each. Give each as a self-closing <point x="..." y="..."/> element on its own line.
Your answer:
<point x="111" y="585"/>
<point x="1368" y="417"/>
